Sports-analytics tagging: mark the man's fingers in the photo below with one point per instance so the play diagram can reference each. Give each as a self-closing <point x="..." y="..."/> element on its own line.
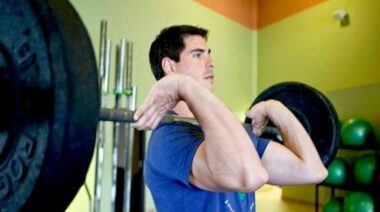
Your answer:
<point x="162" y="97"/>
<point x="139" y="112"/>
<point x="148" y="116"/>
<point x="249" y="114"/>
<point x="258" y="130"/>
<point x="154" y="121"/>
<point x="143" y="119"/>
<point x="259" y="125"/>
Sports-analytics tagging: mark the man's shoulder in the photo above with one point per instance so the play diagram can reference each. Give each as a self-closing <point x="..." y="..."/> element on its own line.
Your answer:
<point x="177" y="128"/>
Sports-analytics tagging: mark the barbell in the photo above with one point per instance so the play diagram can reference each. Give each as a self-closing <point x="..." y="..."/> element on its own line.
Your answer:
<point x="312" y="108"/>
<point x="51" y="106"/>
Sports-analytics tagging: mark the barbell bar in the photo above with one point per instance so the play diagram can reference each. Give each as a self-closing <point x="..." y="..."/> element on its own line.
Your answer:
<point x="124" y="115"/>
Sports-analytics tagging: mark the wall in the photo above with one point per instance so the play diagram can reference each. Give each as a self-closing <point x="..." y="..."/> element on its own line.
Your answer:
<point x="341" y="61"/>
<point x="139" y="21"/>
<point x="362" y="101"/>
<point x="313" y="48"/>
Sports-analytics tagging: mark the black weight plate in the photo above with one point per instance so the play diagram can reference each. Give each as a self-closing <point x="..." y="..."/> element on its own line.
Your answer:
<point x="50" y="104"/>
<point x="313" y="110"/>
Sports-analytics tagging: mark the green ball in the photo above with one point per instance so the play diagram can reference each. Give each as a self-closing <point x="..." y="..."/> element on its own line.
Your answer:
<point x="358" y="202"/>
<point x="335" y="204"/>
<point x="364" y="169"/>
<point x="354" y="132"/>
<point x="378" y="135"/>
<point x="337" y="172"/>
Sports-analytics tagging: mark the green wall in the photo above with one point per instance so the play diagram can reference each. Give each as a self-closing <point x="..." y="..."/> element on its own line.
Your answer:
<point x="140" y="21"/>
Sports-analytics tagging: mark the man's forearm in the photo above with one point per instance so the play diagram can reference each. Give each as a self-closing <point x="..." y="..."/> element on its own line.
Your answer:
<point x="293" y="133"/>
<point x="229" y="152"/>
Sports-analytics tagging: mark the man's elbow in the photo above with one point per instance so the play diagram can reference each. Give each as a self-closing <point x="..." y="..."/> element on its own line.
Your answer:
<point x="254" y="181"/>
<point x="322" y="175"/>
<point x="317" y="175"/>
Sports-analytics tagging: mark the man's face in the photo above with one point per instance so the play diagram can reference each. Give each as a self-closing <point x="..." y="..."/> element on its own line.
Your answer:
<point x="195" y="61"/>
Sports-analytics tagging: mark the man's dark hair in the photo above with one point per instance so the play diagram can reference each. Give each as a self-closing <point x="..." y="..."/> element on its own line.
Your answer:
<point x="169" y="43"/>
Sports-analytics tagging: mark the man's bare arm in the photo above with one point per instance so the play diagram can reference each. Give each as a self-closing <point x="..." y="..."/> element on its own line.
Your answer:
<point x="297" y="160"/>
<point x="227" y="159"/>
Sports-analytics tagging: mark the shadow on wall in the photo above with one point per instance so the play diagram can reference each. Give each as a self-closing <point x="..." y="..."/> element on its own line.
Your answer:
<point x="359" y="102"/>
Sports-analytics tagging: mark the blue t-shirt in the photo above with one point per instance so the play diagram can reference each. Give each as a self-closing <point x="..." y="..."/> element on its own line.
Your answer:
<point x="167" y="168"/>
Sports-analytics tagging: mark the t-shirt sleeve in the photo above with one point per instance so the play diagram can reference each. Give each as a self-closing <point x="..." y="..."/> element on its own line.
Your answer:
<point x="174" y="146"/>
<point x="259" y="143"/>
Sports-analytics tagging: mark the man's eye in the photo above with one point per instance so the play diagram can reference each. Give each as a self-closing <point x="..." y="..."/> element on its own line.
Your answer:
<point x="197" y="55"/>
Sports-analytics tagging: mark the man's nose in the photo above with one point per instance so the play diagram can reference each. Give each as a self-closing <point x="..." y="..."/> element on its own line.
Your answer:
<point x="210" y="64"/>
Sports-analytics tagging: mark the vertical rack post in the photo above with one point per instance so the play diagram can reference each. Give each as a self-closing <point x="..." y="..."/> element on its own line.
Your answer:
<point x="118" y="129"/>
<point x="104" y="65"/>
<point x="130" y="92"/>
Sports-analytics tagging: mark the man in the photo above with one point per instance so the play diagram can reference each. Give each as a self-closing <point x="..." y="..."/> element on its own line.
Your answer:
<point x="218" y="165"/>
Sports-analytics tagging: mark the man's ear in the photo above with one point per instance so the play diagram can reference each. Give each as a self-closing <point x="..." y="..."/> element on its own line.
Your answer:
<point x="167" y="65"/>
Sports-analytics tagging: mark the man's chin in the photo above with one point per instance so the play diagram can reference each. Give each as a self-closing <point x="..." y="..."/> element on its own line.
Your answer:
<point x="210" y="88"/>
<point x="208" y="85"/>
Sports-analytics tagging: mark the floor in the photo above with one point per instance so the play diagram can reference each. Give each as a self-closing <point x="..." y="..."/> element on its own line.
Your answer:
<point x="268" y="199"/>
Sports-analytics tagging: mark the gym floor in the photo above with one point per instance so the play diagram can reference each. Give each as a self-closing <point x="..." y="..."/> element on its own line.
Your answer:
<point x="269" y="199"/>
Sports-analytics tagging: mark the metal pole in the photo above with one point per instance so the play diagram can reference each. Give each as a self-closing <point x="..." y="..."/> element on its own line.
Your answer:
<point x="104" y="56"/>
<point x="118" y="127"/>
<point x="102" y="51"/>
<point x="128" y="80"/>
<point x="107" y="65"/>
<point x="131" y="94"/>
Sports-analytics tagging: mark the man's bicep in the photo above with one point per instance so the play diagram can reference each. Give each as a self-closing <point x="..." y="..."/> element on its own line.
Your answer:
<point x="281" y="164"/>
<point x="201" y="175"/>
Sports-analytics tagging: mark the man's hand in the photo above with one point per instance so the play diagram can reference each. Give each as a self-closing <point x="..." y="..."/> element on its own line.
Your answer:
<point x="162" y="97"/>
<point x="258" y="115"/>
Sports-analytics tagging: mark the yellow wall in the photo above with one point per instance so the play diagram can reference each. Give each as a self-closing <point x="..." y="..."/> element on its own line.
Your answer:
<point x="139" y="21"/>
<point x="342" y="62"/>
<point x="312" y="47"/>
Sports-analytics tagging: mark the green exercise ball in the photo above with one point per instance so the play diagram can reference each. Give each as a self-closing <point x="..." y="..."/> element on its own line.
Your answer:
<point x="337" y="172"/>
<point x="378" y="135"/>
<point x="364" y="169"/>
<point x="334" y="204"/>
<point x="358" y="202"/>
<point x="355" y="131"/>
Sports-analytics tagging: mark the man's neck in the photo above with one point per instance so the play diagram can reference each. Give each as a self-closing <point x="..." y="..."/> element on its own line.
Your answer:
<point x="183" y="110"/>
